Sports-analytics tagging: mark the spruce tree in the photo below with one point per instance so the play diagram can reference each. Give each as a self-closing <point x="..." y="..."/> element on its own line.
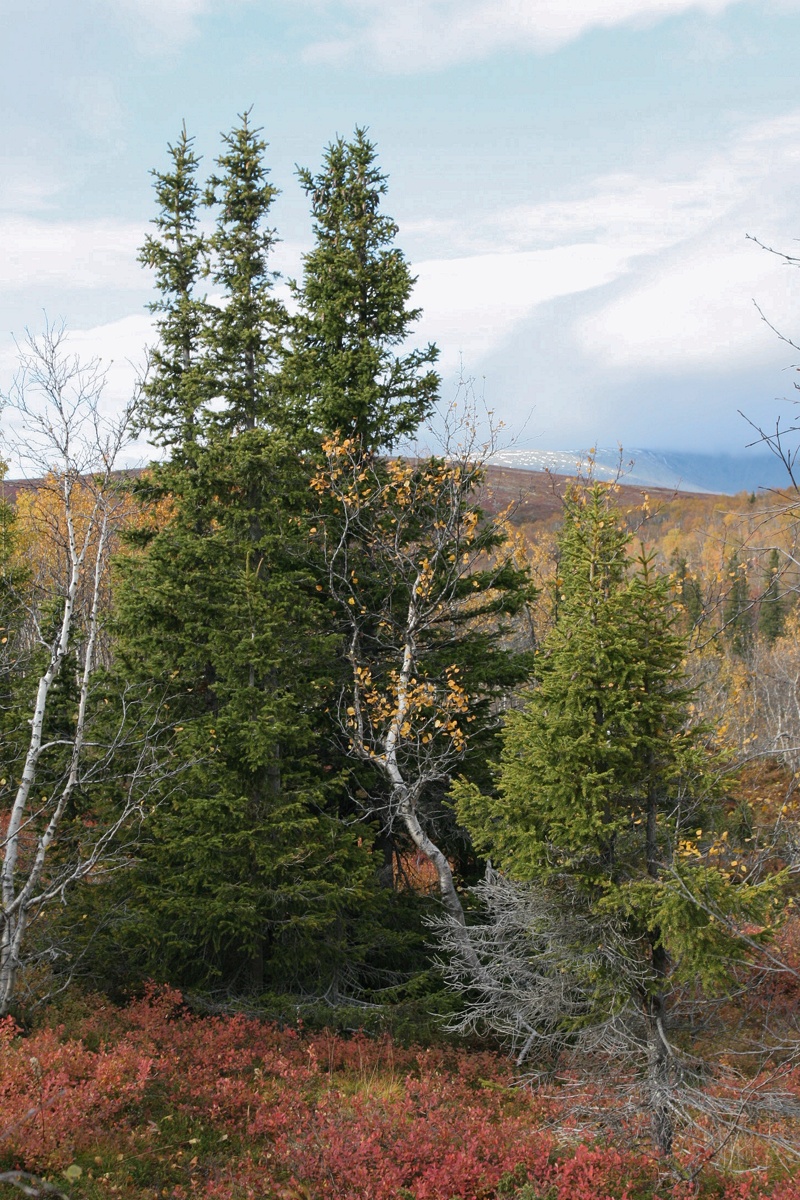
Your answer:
<point x="771" y="613"/>
<point x="606" y="792"/>
<point x="176" y="387"/>
<point x="738" y="610"/>
<point x="689" y="591"/>
<point x="245" y="332"/>
<point x="346" y="371"/>
<point x="242" y="869"/>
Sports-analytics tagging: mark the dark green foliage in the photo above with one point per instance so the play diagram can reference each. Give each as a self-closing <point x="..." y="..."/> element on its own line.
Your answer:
<point x="177" y="383"/>
<point x="244" y="333"/>
<point x="604" y="783"/>
<point x="738" y="612"/>
<point x="13" y="581"/>
<point x="243" y="863"/>
<point x="345" y="371"/>
<point x="772" y="611"/>
<point x="246" y="878"/>
<point x="689" y="591"/>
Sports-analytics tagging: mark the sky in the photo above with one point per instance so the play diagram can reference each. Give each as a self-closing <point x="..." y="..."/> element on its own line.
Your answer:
<point x="574" y="183"/>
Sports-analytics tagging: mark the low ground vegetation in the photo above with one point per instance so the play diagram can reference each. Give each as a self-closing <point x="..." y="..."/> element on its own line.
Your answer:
<point x="148" y="1100"/>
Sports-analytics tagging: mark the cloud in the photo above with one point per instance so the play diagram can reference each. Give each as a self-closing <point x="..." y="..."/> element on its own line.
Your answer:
<point x="27" y="185"/>
<point x="690" y="307"/>
<point x="695" y="312"/>
<point x="161" y="26"/>
<point x="659" y="266"/>
<point x="415" y="35"/>
<point x="174" y="19"/>
<point x="74" y="254"/>
<point x="471" y="304"/>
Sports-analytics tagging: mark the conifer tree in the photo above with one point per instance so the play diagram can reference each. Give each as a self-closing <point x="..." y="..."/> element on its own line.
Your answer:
<point x="177" y="383"/>
<point x="689" y="590"/>
<point x="606" y="792"/>
<point x="239" y="867"/>
<point x="346" y="368"/>
<point x="245" y="332"/>
<point x="771" y="614"/>
<point x="738" y="612"/>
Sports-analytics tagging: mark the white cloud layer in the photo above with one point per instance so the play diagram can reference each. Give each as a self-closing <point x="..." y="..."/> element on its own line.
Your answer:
<point x="470" y="304"/>
<point x="406" y="36"/>
<point x="673" y="274"/>
<point x="415" y="35"/>
<point x="74" y="254"/>
<point x="173" y="20"/>
<point x="26" y="185"/>
<point x="632" y="278"/>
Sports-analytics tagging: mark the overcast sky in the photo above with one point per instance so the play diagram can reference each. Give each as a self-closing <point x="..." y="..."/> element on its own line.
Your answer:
<point x="573" y="181"/>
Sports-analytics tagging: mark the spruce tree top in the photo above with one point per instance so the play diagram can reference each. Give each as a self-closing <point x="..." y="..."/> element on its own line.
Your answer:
<point x="354" y="310"/>
<point x="244" y="335"/>
<point x="175" y="388"/>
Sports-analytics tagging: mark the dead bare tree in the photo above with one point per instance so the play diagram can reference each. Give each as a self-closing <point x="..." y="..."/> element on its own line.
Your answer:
<point x="573" y="980"/>
<point x="572" y="977"/>
<point x="64" y="437"/>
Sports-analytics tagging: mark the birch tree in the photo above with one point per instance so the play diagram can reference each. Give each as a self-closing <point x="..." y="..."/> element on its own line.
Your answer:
<point x="424" y="590"/>
<point x="53" y="768"/>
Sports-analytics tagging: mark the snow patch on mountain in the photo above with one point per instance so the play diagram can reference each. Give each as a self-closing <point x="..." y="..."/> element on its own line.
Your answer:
<point x="680" y="471"/>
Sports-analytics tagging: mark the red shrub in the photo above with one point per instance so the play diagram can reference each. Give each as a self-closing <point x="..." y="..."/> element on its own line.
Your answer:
<point x="314" y="1118"/>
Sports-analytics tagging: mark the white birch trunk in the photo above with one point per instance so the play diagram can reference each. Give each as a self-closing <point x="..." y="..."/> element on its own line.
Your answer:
<point x="74" y="448"/>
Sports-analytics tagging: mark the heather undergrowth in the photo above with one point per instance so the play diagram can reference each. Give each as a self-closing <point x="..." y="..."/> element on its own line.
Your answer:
<point x="151" y="1101"/>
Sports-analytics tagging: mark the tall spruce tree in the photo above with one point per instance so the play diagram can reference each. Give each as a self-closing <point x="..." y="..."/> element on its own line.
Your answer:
<point x="242" y="870"/>
<point x="346" y="370"/>
<point x="606" y="791"/>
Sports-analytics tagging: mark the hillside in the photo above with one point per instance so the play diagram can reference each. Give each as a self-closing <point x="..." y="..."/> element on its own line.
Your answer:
<point x="535" y="495"/>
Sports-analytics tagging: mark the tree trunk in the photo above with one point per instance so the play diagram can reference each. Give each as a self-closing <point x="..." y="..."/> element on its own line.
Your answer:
<point x="444" y="874"/>
<point x="659" y="1064"/>
<point x="659" y="1053"/>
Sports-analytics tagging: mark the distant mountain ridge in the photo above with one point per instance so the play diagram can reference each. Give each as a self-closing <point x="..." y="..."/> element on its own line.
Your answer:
<point x="676" y="470"/>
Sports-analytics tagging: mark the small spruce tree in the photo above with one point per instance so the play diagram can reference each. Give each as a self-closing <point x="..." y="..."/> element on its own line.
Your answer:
<point x="689" y="591"/>
<point x="738" y="610"/>
<point x="772" y="613"/>
<point x="606" y="790"/>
